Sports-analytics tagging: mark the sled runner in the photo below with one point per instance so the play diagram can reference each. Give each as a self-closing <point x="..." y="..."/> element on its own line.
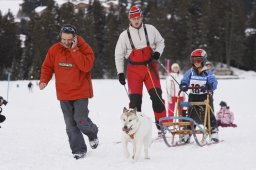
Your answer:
<point x="178" y="129"/>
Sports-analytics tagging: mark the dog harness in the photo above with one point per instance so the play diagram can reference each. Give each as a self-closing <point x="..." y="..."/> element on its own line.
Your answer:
<point x="132" y="136"/>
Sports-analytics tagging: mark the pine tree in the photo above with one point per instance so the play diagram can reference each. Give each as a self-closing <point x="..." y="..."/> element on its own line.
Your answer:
<point x="1" y="48"/>
<point x="26" y="61"/>
<point x="40" y="46"/>
<point x="122" y="18"/>
<point x="234" y="28"/>
<point x="88" y="34"/>
<point x="112" y="35"/>
<point x="98" y="25"/>
<point x="215" y="37"/>
<point x="51" y="25"/>
<point x="250" y="39"/>
<point x="67" y="14"/>
<point x="80" y="22"/>
<point x="29" y="5"/>
<point x="10" y="47"/>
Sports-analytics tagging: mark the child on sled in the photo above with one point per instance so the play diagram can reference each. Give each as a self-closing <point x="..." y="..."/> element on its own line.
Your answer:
<point x="202" y="80"/>
<point x="224" y="117"/>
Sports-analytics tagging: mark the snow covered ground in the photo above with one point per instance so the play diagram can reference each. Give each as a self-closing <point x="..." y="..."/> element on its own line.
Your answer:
<point x="33" y="136"/>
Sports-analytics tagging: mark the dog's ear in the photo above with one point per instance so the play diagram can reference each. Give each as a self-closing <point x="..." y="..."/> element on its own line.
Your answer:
<point x="124" y="110"/>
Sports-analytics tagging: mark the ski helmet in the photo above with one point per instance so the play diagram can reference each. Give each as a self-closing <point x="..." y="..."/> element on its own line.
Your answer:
<point x="135" y="11"/>
<point x="198" y="55"/>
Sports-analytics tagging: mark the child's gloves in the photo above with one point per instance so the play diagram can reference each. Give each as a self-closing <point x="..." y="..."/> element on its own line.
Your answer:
<point x="183" y="87"/>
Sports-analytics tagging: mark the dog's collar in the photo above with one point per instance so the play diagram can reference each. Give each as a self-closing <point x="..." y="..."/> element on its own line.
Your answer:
<point x="132" y="136"/>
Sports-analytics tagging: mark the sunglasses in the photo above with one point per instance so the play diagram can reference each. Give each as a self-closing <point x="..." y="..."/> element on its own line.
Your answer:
<point x="68" y="30"/>
<point x="197" y="59"/>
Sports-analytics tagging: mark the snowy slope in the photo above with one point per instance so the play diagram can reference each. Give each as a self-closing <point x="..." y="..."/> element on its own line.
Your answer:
<point x="33" y="136"/>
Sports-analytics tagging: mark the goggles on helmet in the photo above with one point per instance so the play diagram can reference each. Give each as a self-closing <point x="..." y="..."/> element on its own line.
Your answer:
<point x="197" y="59"/>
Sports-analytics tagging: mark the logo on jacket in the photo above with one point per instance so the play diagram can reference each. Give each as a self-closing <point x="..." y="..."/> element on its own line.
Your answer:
<point x="65" y="64"/>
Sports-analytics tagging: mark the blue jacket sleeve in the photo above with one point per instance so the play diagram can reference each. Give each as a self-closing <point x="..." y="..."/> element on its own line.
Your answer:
<point x="212" y="81"/>
<point x="186" y="78"/>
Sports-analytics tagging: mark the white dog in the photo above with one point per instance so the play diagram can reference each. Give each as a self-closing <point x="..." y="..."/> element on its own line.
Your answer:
<point x="137" y="128"/>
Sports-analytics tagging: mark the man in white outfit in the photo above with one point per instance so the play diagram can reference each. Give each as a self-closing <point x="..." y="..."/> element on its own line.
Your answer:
<point x="142" y="45"/>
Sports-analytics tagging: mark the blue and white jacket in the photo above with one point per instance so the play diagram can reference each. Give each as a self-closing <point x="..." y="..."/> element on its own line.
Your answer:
<point x="192" y="79"/>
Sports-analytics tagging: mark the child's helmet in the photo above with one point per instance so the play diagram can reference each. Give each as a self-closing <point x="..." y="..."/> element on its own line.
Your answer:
<point x="198" y="55"/>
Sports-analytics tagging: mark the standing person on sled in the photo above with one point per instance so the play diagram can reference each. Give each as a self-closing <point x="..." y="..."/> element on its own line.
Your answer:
<point x="142" y="45"/>
<point x="71" y="60"/>
<point x="199" y="76"/>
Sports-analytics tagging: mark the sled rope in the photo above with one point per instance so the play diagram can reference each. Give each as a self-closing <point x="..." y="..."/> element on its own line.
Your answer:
<point x="126" y="92"/>
<point x="156" y="91"/>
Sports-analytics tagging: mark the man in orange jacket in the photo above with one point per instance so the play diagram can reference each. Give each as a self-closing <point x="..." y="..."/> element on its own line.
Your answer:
<point x="71" y="60"/>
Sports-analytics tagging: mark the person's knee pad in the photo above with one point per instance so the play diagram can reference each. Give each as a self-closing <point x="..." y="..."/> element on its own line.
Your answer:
<point x="157" y="101"/>
<point x="135" y="101"/>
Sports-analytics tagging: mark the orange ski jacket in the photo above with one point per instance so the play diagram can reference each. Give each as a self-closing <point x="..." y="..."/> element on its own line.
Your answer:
<point x="71" y="68"/>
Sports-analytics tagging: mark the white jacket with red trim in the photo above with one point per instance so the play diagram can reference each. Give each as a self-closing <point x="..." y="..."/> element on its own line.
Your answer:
<point x="123" y="46"/>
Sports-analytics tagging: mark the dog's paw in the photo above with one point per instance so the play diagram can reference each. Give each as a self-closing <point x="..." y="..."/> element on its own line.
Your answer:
<point x="135" y="158"/>
<point x="147" y="157"/>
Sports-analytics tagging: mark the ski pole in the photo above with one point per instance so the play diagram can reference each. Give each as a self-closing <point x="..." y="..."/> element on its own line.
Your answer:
<point x="126" y="91"/>
<point x="167" y="72"/>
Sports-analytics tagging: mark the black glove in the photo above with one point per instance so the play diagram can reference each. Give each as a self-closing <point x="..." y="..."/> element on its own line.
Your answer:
<point x="205" y="87"/>
<point x="121" y="78"/>
<point x="183" y="87"/>
<point x="2" y="118"/>
<point x="155" y="55"/>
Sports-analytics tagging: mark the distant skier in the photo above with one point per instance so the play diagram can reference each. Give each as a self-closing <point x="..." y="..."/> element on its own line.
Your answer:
<point x="224" y="117"/>
<point x="30" y="87"/>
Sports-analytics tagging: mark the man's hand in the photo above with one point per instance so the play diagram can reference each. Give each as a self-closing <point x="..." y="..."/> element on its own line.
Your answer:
<point x="155" y="55"/>
<point x="42" y="85"/>
<point x="121" y="78"/>
<point x="74" y="42"/>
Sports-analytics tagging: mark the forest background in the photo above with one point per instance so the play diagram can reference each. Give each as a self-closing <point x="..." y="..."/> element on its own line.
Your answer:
<point x="225" y="29"/>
